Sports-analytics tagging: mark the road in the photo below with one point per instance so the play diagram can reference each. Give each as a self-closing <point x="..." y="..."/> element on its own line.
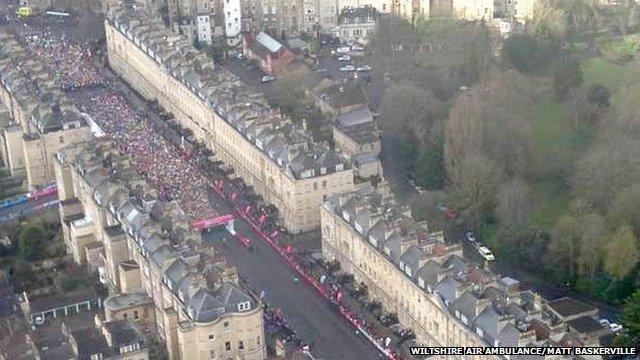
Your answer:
<point x="329" y="336"/>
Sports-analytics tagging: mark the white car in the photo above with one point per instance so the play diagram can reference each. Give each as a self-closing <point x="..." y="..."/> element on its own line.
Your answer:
<point x="471" y="236"/>
<point x="486" y="253"/>
<point x="267" y="78"/>
<point x="343" y="50"/>
<point x="344" y="58"/>
<point x="239" y="56"/>
<point x="348" y="68"/>
<point x="615" y="327"/>
<point x="365" y="68"/>
<point x="604" y="322"/>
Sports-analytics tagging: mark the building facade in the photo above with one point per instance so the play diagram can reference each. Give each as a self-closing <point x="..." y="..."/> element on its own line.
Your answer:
<point x="416" y="275"/>
<point x="276" y="157"/>
<point x="185" y="291"/>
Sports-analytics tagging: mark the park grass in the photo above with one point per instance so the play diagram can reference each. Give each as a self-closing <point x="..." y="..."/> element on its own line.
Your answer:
<point x="600" y="71"/>
<point x="556" y="146"/>
<point x="552" y="151"/>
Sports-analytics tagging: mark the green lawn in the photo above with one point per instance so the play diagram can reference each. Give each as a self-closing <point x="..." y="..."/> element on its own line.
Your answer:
<point x="607" y="73"/>
<point x="555" y="145"/>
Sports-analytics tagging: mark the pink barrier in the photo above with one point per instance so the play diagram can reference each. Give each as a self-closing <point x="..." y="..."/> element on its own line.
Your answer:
<point x="286" y="255"/>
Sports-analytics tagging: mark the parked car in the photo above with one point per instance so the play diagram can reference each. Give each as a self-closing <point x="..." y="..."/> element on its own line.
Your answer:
<point x="343" y="50"/>
<point x="344" y="58"/>
<point x="615" y="327"/>
<point x="604" y="322"/>
<point x="470" y="236"/>
<point x="348" y="68"/>
<point x="239" y="56"/>
<point x="486" y="253"/>
<point x="268" y="78"/>
<point x="321" y="70"/>
<point x="365" y="68"/>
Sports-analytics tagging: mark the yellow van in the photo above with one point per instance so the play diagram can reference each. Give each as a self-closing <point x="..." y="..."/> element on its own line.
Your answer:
<point x="24" y="12"/>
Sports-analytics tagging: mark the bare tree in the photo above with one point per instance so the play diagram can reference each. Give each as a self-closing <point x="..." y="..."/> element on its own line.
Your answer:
<point x="621" y="253"/>
<point x="591" y="244"/>
<point x="514" y="203"/>
<point x="564" y="244"/>
<point x="474" y="186"/>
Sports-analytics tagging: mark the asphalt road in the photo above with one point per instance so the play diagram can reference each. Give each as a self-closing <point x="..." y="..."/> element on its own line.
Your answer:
<point x="329" y="336"/>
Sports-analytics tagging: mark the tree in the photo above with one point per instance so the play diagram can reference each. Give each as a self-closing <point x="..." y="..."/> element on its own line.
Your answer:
<point x="599" y="96"/>
<point x="625" y="209"/>
<point x="411" y="112"/>
<point x="429" y="167"/>
<point x="425" y="206"/>
<point x="524" y="53"/>
<point x="31" y="240"/>
<point x="630" y="319"/>
<point x="514" y="203"/>
<point x="579" y="108"/>
<point x="621" y="252"/>
<point x="473" y="187"/>
<point x="568" y="75"/>
<point x="564" y="244"/>
<point x="591" y="244"/>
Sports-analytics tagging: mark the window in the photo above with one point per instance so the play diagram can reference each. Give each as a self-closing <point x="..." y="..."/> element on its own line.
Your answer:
<point x="226" y="324"/>
<point x="211" y="337"/>
<point x="258" y="340"/>
<point x="135" y="314"/>
<point x="227" y="346"/>
<point x="61" y="139"/>
<point x="125" y="316"/>
<point x="240" y="345"/>
<point x="212" y="354"/>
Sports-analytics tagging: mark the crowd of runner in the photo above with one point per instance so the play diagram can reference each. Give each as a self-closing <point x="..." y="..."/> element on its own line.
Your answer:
<point x="69" y="61"/>
<point x="165" y="166"/>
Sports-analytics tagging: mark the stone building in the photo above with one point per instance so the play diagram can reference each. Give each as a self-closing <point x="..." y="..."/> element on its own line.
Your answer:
<point x="357" y="24"/>
<point x="278" y="158"/>
<point x="42" y="118"/>
<point x="163" y="278"/>
<point x="445" y="300"/>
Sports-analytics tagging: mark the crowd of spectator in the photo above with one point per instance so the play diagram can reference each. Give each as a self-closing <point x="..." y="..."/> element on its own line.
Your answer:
<point x="69" y="61"/>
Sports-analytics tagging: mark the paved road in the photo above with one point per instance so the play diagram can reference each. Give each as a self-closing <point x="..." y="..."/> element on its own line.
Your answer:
<point x="330" y="336"/>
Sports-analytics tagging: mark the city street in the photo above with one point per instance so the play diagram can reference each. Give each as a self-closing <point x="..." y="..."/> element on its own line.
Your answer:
<point x="329" y="336"/>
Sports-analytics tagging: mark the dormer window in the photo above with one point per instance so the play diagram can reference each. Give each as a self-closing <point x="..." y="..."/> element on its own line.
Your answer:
<point x="346" y="216"/>
<point x="421" y="282"/>
<point x="339" y="167"/>
<point x="323" y="170"/>
<point x="244" y="306"/>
